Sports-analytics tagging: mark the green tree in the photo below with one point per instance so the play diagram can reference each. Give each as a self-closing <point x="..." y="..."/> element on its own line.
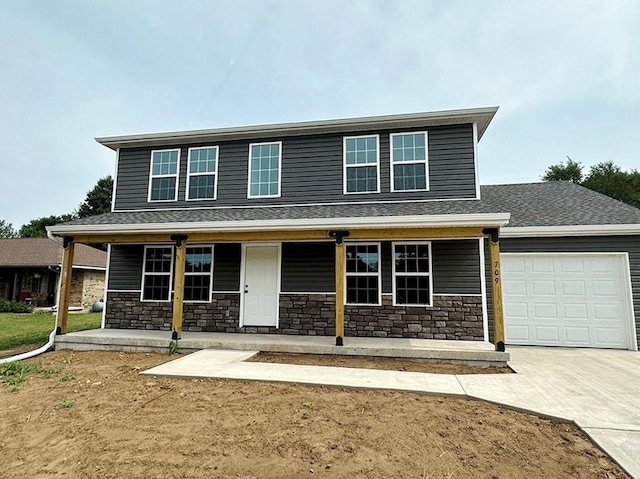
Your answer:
<point x="38" y="228"/>
<point x="606" y="178"/>
<point x="98" y="200"/>
<point x="6" y="230"/>
<point x="571" y="171"/>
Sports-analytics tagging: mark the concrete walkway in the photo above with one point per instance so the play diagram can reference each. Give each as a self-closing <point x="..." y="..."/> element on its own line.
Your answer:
<point x="597" y="389"/>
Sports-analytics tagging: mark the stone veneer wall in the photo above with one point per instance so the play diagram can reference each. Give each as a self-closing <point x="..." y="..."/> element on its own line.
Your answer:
<point x="451" y="317"/>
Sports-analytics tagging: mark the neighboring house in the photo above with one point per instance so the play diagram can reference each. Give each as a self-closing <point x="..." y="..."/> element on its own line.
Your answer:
<point x="30" y="272"/>
<point x="358" y="227"/>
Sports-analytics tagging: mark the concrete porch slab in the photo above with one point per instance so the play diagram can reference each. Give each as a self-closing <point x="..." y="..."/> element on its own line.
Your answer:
<point x="458" y="352"/>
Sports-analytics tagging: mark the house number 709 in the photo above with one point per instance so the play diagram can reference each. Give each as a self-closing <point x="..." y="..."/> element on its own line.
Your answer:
<point x="496" y="271"/>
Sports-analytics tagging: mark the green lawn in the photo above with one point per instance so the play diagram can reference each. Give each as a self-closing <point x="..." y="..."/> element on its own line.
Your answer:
<point x="19" y="329"/>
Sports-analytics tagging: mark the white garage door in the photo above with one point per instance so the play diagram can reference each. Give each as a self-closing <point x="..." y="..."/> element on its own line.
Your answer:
<point x="576" y="300"/>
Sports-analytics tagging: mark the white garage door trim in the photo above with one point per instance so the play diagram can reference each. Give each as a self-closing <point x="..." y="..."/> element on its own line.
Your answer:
<point x="625" y="282"/>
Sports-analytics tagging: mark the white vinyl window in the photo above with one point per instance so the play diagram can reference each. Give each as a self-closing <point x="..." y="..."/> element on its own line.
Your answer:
<point x="362" y="273"/>
<point x="264" y="169"/>
<point x="361" y="164"/>
<point x="198" y="274"/>
<point x="409" y="161"/>
<point x="202" y="173"/>
<point x="412" y="280"/>
<point x="157" y="273"/>
<point x="163" y="177"/>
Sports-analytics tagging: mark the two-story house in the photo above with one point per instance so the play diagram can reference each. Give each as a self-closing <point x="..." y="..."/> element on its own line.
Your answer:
<point x="358" y="227"/>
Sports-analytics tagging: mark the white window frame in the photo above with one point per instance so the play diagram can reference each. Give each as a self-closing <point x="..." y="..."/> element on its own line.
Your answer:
<point x="345" y="166"/>
<point x="413" y="162"/>
<point x="210" y="273"/>
<point x="152" y="176"/>
<point x="249" y="195"/>
<point x="378" y="275"/>
<point x="395" y="274"/>
<point x="145" y="273"/>
<point x="213" y="173"/>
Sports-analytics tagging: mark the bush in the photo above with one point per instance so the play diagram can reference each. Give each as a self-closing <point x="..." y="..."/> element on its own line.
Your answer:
<point x="14" y="307"/>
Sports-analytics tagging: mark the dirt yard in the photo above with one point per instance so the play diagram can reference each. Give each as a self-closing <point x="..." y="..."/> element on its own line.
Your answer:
<point x="371" y="362"/>
<point x="98" y="418"/>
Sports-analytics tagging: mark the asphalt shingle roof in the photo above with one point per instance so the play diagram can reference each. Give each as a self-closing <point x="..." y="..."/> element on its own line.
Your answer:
<point x="530" y="204"/>
<point x="45" y="252"/>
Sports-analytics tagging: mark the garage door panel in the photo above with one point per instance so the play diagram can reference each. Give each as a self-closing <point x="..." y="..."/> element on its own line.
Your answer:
<point x="544" y="287"/>
<point x="566" y="300"/>
<point x="545" y="265"/>
<point x="545" y="311"/>
<point x="547" y="335"/>
<point x="514" y="287"/>
<point x="574" y="288"/>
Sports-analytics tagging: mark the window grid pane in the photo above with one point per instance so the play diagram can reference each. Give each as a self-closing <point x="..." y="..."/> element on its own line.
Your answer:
<point x="410" y="147"/>
<point x="409" y="177"/>
<point x="165" y="163"/>
<point x="362" y="277"/>
<point x="264" y="170"/>
<point x="156" y="287"/>
<point x="197" y="287"/>
<point x="202" y="160"/>
<point x="361" y="179"/>
<point x="157" y="274"/>
<point x="163" y="188"/>
<point x="197" y="270"/>
<point x="363" y="150"/>
<point x="202" y="187"/>
<point x="411" y="270"/>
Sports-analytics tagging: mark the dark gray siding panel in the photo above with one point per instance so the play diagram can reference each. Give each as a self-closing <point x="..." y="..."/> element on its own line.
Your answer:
<point x="456" y="267"/>
<point x="125" y="268"/>
<point x="226" y="266"/>
<point x="311" y="171"/>
<point x="308" y="267"/>
<point x="593" y="244"/>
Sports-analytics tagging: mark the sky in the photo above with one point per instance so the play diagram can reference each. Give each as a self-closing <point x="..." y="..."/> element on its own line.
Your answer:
<point x="565" y="74"/>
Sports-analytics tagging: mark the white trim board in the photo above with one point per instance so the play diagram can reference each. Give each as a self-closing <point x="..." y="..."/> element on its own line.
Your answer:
<point x="572" y="230"/>
<point x="409" y="221"/>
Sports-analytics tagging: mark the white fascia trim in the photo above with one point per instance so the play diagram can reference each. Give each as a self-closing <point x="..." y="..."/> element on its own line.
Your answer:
<point x="572" y="230"/>
<point x="92" y="268"/>
<point x="413" y="221"/>
<point x="482" y="116"/>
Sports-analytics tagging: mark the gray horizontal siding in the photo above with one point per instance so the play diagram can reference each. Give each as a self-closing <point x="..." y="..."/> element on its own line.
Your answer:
<point x="578" y="244"/>
<point x="125" y="268"/>
<point x="308" y="267"/>
<point x="312" y="171"/>
<point x="226" y="266"/>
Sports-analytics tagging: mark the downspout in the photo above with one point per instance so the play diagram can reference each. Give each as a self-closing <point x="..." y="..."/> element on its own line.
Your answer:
<point x="35" y="352"/>
<point x="49" y="344"/>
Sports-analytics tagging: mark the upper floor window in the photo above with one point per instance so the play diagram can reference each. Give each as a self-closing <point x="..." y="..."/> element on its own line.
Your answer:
<point x="264" y="169"/>
<point x="409" y="156"/>
<point x="156" y="273"/>
<point x="361" y="164"/>
<point x="202" y="178"/>
<point x="163" y="180"/>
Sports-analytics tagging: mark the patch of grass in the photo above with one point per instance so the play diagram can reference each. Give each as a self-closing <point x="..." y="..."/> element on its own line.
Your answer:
<point x="16" y="373"/>
<point x="67" y="377"/>
<point x="65" y="404"/>
<point x="19" y="329"/>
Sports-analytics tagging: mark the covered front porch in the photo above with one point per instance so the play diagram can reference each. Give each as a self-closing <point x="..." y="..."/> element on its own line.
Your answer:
<point x="355" y="285"/>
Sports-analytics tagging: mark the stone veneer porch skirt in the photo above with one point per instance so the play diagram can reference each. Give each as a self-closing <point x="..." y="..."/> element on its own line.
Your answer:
<point x="450" y="317"/>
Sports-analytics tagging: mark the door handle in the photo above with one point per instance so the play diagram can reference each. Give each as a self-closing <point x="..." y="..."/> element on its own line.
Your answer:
<point x="246" y="288"/>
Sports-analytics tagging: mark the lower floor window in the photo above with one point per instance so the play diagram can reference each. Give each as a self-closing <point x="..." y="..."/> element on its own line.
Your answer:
<point x="362" y="273"/>
<point x="198" y="272"/>
<point x="157" y="272"/>
<point x="412" y="273"/>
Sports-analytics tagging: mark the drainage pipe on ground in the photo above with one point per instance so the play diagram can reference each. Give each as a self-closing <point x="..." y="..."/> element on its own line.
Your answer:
<point x="30" y="354"/>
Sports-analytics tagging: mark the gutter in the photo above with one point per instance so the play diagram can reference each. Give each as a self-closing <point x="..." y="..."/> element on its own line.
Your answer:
<point x="571" y="230"/>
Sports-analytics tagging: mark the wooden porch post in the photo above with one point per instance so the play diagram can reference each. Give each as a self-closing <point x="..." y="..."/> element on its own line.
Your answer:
<point x="339" y="280"/>
<point x="178" y="286"/>
<point x="65" y="285"/>
<point x="496" y="288"/>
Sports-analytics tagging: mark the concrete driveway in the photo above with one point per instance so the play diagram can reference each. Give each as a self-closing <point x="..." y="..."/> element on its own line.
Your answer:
<point x="597" y="389"/>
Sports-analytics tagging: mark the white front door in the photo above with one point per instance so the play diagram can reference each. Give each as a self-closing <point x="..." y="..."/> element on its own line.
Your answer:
<point x="261" y="284"/>
<point x="576" y="300"/>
